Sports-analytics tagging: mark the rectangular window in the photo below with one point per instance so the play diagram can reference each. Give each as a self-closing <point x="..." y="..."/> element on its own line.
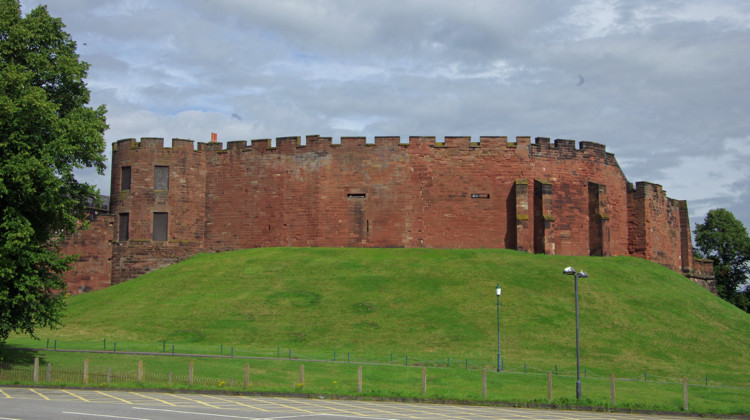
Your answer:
<point x="480" y="196"/>
<point x="160" y="226"/>
<point x="125" y="178"/>
<point x="356" y="195"/>
<point x="124" y="226"/>
<point x="161" y="178"/>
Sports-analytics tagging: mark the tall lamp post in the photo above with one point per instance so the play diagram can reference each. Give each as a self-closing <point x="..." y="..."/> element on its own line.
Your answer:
<point x="499" y="363"/>
<point x="581" y="274"/>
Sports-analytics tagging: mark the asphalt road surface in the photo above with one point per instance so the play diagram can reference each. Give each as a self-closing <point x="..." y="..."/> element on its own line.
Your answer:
<point x="64" y="404"/>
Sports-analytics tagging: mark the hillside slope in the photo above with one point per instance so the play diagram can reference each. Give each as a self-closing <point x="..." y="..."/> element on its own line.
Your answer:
<point x="636" y="316"/>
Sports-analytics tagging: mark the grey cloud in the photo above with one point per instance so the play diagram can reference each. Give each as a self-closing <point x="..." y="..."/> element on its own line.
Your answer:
<point x="664" y="82"/>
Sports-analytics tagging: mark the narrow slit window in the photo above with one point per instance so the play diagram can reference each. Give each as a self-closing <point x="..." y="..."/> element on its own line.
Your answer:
<point x="161" y="178"/>
<point x="124" y="227"/>
<point x="125" y="178"/>
<point x="480" y="195"/>
<point x="160" y="226"/>
<point x="356" y="195"/>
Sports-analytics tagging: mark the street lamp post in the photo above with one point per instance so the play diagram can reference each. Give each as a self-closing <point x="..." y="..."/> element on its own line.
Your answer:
<point x="499" y="363"/>
<point x="581" y="274"/>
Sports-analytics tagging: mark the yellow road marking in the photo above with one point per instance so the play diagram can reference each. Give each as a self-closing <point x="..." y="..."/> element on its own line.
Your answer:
<point x="236" y="402"/>
<point x="273" y="401"/>
<point x="6" y="395"/>
<point x="77" y="396"/>
<point x="153" y="398"/>
<point x="112" y="396"/>
<point x="197" y="401"/>
<point x="39" y="393"/>
<point x="415" y="410"/>
<point x="329" y="405"/>
<point x="371" y="406"/>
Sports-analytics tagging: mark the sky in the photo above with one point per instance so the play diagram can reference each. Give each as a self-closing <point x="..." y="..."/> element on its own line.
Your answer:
<point x="665" y="85"/>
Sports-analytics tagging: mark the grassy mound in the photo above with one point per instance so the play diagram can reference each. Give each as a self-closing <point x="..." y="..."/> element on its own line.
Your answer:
<point x="636" y="316"/>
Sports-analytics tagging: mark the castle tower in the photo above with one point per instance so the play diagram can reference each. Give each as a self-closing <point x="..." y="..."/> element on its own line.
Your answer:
<point x="158" y="200"/>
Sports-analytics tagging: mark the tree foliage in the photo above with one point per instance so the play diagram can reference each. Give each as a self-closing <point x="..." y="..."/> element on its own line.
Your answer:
<point x="724" y="239"/>
<point x="46" y="132"/>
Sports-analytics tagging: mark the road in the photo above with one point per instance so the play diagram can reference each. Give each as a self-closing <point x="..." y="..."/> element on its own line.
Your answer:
<point x="65" y="404"/>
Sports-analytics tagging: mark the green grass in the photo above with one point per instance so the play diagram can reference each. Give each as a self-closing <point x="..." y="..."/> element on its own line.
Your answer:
<point x="636" y="316"/>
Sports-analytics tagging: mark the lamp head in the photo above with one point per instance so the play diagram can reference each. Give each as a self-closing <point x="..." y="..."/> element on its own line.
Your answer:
<point x="569" y="270"/>
<point x="497" y="290"/>
<point x="582" y="275"/>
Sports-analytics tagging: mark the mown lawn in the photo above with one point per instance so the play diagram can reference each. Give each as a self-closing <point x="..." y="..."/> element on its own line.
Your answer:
<point x="637" y="318"/>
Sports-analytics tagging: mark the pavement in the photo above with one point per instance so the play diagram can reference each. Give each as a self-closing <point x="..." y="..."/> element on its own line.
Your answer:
<point x="22" y="403"/>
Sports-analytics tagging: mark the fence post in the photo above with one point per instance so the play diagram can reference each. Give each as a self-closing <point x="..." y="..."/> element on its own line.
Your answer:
<point x="549" y="386"/>
<point x="109" y="375"/>
<point x="484" y="383"/>
<point x="140" y="371"/>
<point x="190" y="373"/>
<point x="612" y="389"/>
<point x="684" y="394"/>
<point x="49" y="372"/>
<point x="170" y="378"/>
<point x="247" y="375"/>
<point x="359" y="379"/>
<point x="424" y="381"/>
<point x="302" y="374"/>
<point x="36" y="369"/>
<point x="86" y="371"/>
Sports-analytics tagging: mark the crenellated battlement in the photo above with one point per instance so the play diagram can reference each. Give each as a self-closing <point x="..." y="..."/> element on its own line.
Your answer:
<point x="541" y="146"/>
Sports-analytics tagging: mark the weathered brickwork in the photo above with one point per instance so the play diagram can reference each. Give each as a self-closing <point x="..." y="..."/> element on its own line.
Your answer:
<point x="168" y="203"/>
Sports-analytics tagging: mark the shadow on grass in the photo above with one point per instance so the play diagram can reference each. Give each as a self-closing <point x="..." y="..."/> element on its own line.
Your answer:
<point x="17" y="356"/>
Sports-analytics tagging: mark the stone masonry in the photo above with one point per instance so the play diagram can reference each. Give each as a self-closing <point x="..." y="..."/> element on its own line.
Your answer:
<point x="169" y="203"/>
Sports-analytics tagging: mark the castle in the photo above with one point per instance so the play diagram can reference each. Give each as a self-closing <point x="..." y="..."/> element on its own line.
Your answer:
<point x="169" y="203"/>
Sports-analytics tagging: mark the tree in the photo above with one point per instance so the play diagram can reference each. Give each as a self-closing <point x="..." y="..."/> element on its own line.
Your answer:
<point x="46" y="132"/>
<point x="724" y="239"/>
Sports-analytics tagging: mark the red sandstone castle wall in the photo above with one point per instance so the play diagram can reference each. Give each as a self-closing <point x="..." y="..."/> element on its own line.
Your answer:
<point x="657" y="226"/>
<point x="415" y="194"/>
<point x="544" y="197"/>
<point x="93" y="269"/>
